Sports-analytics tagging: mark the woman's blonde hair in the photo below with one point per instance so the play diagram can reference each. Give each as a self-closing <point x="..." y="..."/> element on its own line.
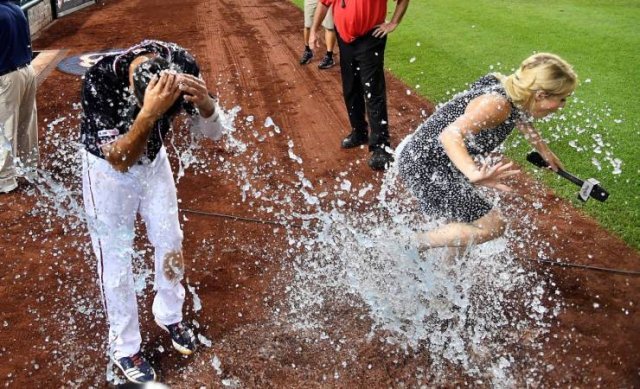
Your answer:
<point x="541" y="72"/>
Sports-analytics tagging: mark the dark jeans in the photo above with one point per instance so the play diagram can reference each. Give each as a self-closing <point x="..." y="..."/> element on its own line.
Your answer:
<point x="363" y="85"/>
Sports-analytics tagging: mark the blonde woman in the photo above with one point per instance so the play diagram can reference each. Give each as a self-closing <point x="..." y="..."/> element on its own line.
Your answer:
<point x="437" y="161"/>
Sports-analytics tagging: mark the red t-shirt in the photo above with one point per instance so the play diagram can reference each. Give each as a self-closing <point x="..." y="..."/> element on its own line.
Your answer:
<point x="358" y="17"/>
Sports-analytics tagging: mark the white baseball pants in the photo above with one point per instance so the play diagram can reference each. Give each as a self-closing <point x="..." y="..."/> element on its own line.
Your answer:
<point x="112" y="199"/>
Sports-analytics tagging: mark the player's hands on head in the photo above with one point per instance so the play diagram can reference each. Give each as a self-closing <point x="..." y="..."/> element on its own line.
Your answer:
<point x="491" y="176"/>
<point x="160" y="94"/>
<point x="195" y="91"/>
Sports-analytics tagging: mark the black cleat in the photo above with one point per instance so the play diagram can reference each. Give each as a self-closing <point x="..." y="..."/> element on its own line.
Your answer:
<point x="380" y="159"/>
<point x="355" y="139"/>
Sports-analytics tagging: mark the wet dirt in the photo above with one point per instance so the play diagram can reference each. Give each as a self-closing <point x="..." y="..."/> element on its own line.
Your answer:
<point x="52" y="327"/>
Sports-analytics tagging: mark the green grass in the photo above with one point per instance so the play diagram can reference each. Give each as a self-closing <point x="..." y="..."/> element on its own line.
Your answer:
<point x="442" y="45"/>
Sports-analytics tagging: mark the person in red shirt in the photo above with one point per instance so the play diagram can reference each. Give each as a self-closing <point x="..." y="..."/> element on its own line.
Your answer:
<point x="362" y="38"/>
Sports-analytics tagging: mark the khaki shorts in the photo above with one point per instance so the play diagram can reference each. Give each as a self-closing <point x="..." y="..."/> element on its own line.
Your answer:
<point x="310" y="10"/>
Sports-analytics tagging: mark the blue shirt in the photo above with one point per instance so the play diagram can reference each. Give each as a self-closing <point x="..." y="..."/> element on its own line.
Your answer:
<point x="15" y="46"/>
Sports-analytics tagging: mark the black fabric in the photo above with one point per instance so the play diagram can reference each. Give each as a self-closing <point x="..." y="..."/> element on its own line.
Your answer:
<point x="364" y="88"/>
<point x="442" y="190"/>
<point x="11" y="70"/>
<point x="15" y="39"/>
<point x="109" y="107"/>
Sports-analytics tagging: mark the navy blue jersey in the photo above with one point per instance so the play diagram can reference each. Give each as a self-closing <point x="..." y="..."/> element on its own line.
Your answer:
<point x="15" y="49"/>
<point x="109" y="106"/>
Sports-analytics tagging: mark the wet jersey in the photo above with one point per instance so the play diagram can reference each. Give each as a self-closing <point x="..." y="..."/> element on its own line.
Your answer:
<point x="109" y="106"/>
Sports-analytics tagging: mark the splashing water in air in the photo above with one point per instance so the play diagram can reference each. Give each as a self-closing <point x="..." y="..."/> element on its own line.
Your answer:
<point x="464" y="308"/>
<point x="470" y="311"/>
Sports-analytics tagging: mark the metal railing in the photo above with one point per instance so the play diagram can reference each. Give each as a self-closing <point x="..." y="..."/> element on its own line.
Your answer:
<point x="28" y="4"/>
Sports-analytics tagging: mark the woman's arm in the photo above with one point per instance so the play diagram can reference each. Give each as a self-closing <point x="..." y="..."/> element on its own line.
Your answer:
<point x="533" y="137"/>
<point x="483" y="112"/>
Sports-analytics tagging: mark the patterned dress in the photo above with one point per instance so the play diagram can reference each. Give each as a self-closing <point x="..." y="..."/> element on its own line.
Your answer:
<point x="442" y="190"/>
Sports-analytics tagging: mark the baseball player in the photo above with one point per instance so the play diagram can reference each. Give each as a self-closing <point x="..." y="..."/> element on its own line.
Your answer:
<point x="129" y="100"/>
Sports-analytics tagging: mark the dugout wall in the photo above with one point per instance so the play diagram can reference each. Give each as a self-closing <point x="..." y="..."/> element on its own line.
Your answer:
<point x="40" y="13"/>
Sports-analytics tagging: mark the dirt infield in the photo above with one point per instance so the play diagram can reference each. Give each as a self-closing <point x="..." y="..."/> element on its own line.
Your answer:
<point x="52" y="327"/>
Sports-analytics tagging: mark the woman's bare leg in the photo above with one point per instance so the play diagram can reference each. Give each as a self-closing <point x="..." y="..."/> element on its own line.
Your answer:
<point x="488" y="227"/>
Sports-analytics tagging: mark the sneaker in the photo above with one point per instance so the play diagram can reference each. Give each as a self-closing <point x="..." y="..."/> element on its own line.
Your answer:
<point x="380" y="159"/>
<point x="136" y="369"/>
<point x="10" y="187"/>
<point x="182" y="337"/>
<point x="326" y="62"/>
<point x="306" y="57"/>
<point x="355" y="139"/>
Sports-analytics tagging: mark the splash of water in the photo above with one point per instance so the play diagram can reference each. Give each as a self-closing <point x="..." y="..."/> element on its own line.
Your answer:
<point x="467" y="311"/>
<point x="463" y="312"/>
<point x="468" y="314"/>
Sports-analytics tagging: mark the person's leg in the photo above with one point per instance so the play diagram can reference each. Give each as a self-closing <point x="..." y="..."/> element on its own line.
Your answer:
<point x="159" y="209"/>
<point x="353" y="94"/>
<point x="27" y="142"/>
<point x="488" y="227"/>
<point x="306" y="33"/>
<point x="111" y="202"/>
<point x="309" y="10"/>
<point x="370" y="56"/>
<point x="330" y="41"/>
<point x="444" y="192"/>
<point x="330" y="38"/>
<point x="10" y="91"/>
<point x="330" y="31"/>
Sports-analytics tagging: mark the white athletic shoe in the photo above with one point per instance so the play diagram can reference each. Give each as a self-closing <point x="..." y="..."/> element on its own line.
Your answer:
<point x="12" y="186"/>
